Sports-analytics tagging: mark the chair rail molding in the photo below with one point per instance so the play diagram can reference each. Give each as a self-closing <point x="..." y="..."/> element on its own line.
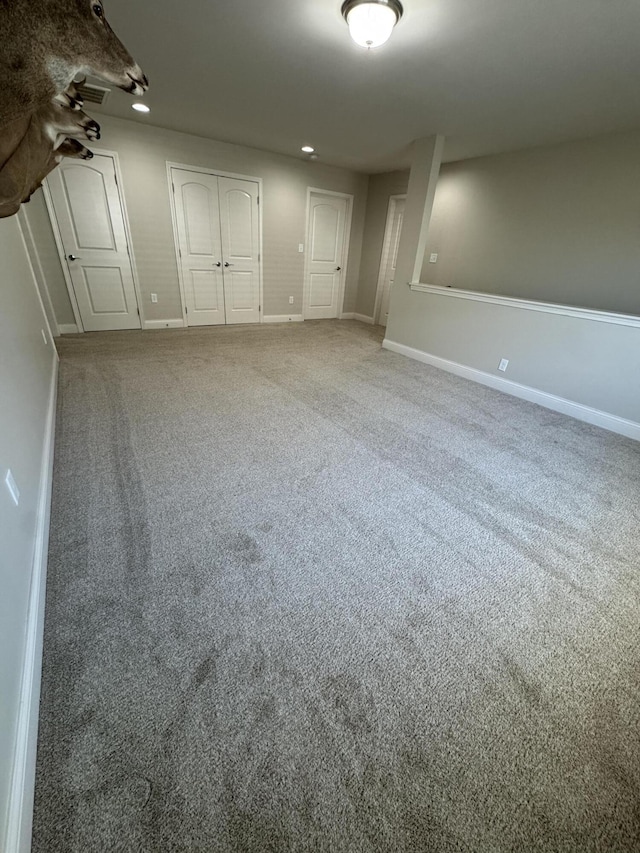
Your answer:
<point x="529" y="304"/>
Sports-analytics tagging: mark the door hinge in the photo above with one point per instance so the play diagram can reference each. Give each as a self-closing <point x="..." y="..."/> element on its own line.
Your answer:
<point x="173" y="187"/>
<point x="138" y="310"/>
<point x="180" y="252"/>
<point x="186" y="310"/>
<point x="115" y="178"/>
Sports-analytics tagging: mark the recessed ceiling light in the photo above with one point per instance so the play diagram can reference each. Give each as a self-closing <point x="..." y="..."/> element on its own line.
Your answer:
<point x="308" y="149"/>
<point x="141" y="108"/>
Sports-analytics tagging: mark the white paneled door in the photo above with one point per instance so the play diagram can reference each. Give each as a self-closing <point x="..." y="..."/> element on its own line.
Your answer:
<point x="327" y="247"/>
<point x="200" y="246"/>
<point x="390" y="256"/>
<point x="218" y="243"/>
<point x="88" y="210"/>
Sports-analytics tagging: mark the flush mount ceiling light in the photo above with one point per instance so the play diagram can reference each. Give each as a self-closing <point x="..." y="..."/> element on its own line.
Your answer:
<point x="141" y="108"/>
<point x="371" y="22"/>
<point x="308" y="149"/>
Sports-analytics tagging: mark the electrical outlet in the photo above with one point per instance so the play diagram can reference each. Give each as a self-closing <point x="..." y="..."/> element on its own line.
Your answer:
<point x="154" y="297"/>
<point x="301" y="247"/>
<point x="504" y="363"/>
<point x="14" y="491"/>
<point x="44" y="336"/>
<point x="433" y="257"/>
<point x="291" y="300"/>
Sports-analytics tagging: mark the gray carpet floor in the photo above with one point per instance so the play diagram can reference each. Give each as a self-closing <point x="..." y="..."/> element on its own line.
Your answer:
<point x="307" y="595"/>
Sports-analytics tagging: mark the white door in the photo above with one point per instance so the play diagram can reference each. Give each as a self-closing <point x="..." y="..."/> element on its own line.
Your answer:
<point x="88" y="209"/>
<point x="200" y="246"/>
<point x="218" y="244"/>
<point x="390" y="256"/>
<point x="240" y="245"/>
<point x="327" y="248"/>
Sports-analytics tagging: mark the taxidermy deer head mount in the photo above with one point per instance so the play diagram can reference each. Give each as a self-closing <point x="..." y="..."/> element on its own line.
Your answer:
<point x="44" y="46"/>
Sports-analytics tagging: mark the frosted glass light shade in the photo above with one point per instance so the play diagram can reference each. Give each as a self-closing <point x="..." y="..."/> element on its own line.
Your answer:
<point x="371" y="23"/>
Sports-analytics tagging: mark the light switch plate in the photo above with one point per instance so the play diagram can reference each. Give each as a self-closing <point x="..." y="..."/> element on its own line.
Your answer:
<point x="301" y="247"/>
<point x="504" y="363"/>
<point x="433" y="257"/>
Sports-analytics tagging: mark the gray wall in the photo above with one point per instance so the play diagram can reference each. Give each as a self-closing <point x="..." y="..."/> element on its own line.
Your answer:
<point x="588" y="362"/>
<point x="26" y="371"/>
<point x="143" y="152"/>
<point x="554" y="224"/>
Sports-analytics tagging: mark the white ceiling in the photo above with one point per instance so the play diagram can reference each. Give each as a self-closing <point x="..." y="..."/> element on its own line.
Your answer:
<point x="492" y="75"/>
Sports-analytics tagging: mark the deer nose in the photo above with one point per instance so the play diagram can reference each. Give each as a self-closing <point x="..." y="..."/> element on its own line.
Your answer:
<point x="139" y="81"/>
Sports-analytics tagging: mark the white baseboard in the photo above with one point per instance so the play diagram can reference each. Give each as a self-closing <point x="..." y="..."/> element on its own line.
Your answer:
<point x="622" y="426"/>
<point x="20" y="812"/>
<point x="362" y="318"/>
<point x="68" y="329"/>
<point x="178" y="323"/>
<point x="282" y="318"/>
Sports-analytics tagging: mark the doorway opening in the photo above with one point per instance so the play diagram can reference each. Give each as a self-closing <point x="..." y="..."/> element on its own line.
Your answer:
<point x="388" y="260"/>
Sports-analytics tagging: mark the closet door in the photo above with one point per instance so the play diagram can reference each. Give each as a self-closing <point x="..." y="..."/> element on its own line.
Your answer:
<point x="199" y="247"/>
<point x="218" y="232"/>
<point x="240" y="249"/>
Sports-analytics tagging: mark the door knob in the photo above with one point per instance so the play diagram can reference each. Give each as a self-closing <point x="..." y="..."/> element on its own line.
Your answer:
<point x="227" y="264"/>
<point x="219" y="264"/>
<point x="338" y="269"/>
<point x="74" y="258"/>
